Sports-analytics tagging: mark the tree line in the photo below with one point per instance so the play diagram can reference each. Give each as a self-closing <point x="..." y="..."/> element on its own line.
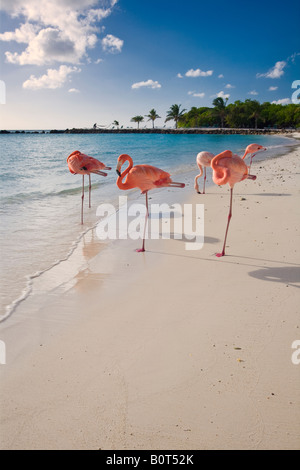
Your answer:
<point x="240" y="114"/>
<point x="243" y="114"/>
<point x="174" y="113"/>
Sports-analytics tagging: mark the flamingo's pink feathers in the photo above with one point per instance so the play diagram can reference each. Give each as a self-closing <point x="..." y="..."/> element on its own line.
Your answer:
<point x="228" y="168"/>
<point x="204" y="159"/>
<point x="147" y="177"/>
<point x="252" y="149"/>
<point x="82" y="164"/>
<point x="144" y="177"/>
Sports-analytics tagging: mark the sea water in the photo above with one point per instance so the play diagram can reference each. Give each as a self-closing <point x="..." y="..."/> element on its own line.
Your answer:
<point x="41" y="199"/>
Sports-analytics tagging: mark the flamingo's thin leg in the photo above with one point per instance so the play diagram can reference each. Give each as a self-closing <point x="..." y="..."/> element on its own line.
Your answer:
<point x="251" y="161"/>
<point x="82" y="198"/>
<point x="90" y="191"/>
<point x="229" y="218"/>
<point x="204" y="180"/>
<point x="146" y="219"/>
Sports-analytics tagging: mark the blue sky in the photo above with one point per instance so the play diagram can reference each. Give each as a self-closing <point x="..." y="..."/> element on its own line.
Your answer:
<point x="73" y="63"/>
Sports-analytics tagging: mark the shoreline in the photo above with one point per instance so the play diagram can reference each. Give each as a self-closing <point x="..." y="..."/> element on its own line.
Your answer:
<point x="29" y="279"/>
<point x="208" y="131"/>
<point x="23" y="288"/>
<point x="138" y="352"/>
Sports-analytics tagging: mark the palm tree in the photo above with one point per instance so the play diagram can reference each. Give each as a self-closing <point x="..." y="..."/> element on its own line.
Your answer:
<point x="116" y="123"/>
<point x="152" y="116"/>
<point x="255" y="107"/>
<point x="220" y="108"/>
<point x="175" y="114"/>
<point x="137" y="119"/>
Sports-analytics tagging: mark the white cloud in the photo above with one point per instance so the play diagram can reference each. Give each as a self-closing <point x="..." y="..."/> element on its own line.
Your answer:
<point x="52" y="79"/>
<point x="229" y="86"/>
<point x="223" y="95"/>
<point x="273" y="88"/>
<point x="24" y="34"/>
<point x="198" y="73"/>
<point x="221" y="75"/>
<point x="148" y="84"/>
<point x="293" y="56"/>
<point x="179" y="75"/>
<point x="56" y="31"/>
<point x="73" y="90"/>
<point x="197" y="95"/>
<point x="112" y="44"/>
<point x="253" y="92"/>
<point x="274" y="72"/>
<point x="282" y="101"/>
<point x="98" y="61"/>
<point x="47" y="46"/>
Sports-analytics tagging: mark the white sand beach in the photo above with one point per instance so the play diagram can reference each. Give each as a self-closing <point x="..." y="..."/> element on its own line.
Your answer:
<point x="168" y="349"/>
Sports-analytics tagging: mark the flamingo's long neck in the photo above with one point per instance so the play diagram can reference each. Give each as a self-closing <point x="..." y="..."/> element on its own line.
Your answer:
<point x="220" y="173"/>
<point x="215" y="161"/>
<point x="200" y="168"/>
<point x="76" y="152"/>
<point x="120" y="183"/>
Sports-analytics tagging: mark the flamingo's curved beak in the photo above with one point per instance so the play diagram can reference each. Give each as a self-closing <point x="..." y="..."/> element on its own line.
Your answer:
<point x="118" y="172"/>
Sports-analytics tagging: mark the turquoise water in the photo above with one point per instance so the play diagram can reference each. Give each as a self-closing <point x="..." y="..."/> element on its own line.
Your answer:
<point x="40" y="199"/>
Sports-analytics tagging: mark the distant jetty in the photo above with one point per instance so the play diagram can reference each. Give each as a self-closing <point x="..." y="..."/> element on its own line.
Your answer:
<point x="176" y="131"/>
<point x="181" y="130"/>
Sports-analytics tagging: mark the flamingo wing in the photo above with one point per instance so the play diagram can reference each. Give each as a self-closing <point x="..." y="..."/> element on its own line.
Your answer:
<point x="204" y="158"/>
<point x="230" y="170"/>
<point x="75" y="162"/>
<point x="84" y="164"/>
<point x="147" y="177"/>
<point x="92" y="164"/>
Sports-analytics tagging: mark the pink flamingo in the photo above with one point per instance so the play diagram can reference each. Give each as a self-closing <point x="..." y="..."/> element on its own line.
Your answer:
<point x="203" y="160"/>
<point x="231" y="169"/>
<point x="144" y="177"/>
<point x="82" y="164"/>
<point x="252" y="149"/>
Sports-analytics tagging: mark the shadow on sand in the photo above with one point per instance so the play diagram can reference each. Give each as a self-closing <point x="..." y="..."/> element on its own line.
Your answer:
<point x="287" y="275"/>
<point x="185" y="239"/>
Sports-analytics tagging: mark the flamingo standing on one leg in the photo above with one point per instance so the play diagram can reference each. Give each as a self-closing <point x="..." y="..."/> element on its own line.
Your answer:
<point x="252" y="149"/>
<point x="82" y="164"/>
<point x="203" y="160"/>
<point x="231" y="169"/>
<point x="144" y="177"/>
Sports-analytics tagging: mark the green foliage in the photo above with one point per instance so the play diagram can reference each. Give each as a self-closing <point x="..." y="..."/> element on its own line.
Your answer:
<point x="175" y="113"/>
<point x="152" y="116"/>
<point x="137" y="119"/>
<point x="243" y="114"/>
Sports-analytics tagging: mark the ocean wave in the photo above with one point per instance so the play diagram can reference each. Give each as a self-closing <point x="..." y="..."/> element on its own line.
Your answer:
<point x="19" y="198"/>
<point x="10" y="309"/>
